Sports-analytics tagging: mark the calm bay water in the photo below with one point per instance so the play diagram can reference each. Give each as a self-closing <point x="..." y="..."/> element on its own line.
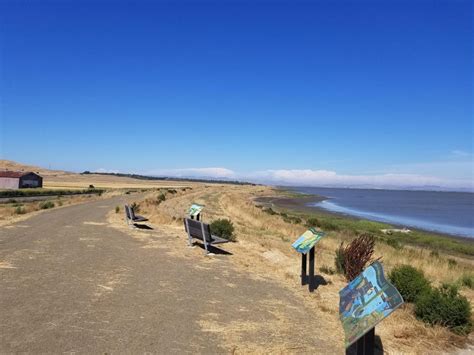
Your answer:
<point x="444" y="212"/>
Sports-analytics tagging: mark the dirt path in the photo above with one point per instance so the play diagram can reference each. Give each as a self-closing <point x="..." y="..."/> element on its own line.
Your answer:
<point x="72" y="282"/>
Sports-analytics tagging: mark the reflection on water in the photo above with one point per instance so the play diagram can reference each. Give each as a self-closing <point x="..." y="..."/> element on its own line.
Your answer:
<point x="444" y="212"/>
<point x="399" y="220"/>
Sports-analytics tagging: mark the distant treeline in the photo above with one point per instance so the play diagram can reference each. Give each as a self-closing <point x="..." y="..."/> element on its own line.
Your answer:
<point x="164" y="178"/>
<point x="47" y="192"/>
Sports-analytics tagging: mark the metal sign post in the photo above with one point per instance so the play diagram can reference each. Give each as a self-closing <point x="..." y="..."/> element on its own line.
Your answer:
<point x="364" y="346"/>
<point x="308" y="279"/>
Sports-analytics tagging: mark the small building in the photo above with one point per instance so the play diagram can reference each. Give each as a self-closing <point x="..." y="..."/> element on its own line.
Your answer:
<point x="19" y="180"/>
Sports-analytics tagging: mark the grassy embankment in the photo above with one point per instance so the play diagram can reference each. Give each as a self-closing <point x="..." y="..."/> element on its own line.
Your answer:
<point x="263" y="249"/>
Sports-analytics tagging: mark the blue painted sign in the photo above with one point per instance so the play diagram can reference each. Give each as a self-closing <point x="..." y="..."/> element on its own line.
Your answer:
<point x="307" y="240"/>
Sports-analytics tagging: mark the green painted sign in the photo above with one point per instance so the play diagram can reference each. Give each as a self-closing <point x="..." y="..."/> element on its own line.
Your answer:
<point x="307" y="240"/>
<point x="195" y="209"/>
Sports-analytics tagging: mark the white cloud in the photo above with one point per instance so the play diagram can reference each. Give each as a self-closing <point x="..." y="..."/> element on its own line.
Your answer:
<point x="216" y="173"/>
<point x="460" y="154"/>
<point x="108" y="171"/>
<point x="308" y="177"/>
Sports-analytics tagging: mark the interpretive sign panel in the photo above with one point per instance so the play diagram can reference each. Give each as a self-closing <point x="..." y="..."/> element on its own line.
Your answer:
<point x="307" y="240"/>
<point x="195" y="209"/>
<point x="365" y="301"/>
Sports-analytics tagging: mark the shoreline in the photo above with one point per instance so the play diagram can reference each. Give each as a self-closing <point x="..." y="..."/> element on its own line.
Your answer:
<point x="296" y="202"/>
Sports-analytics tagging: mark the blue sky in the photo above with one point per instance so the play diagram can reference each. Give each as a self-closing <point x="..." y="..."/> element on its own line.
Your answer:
<point x="349" y="93"/>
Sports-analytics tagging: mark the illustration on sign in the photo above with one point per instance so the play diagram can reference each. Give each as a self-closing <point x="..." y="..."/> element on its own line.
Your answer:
<point x="307" y="240"/>
<point x="365" y="301"/>
<point x="195" y="209"/>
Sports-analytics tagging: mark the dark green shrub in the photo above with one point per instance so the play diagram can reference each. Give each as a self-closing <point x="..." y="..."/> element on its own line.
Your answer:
<point x="223" y="228"/>
<point x="117" y="209"/>
<point x="452" y="262"/>
<point x="20" y="210"/>
<point x="409" y="281"/>
<point x="172" y="191"/>
<point x="445" y="306"/>
<point x="292" y="219"/>
<point x="269" y="210"/>
<point x="328" y="226"/>
<point x="323" y="224"/>
<point x="296" y="220"/>
<point x="47" y="192"/>
<point x="91" y="186"/>
<point x="46" y="205"/>
<point x="434" y="254"/>
<point x="312" y="222"/>
<point x="393" y="243"/>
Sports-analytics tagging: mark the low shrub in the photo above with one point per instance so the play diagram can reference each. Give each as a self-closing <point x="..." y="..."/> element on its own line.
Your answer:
<point x="467" y="281"/>
<point x="445" y="306"/>
<point x="410" y="282"/>
<point x="327" y="270"/>
<point x="339" y="261"/>
<point x="60" y="203"/>
<point x="434" y="254"/>
<point x="269" y="210"/>
<point x="328" y="226"/>
<point x="452" y="263"/>
<point x="352" y="259"/>
<point x="46" y="205"/>
<point x="325" y="225"/>
<point x="172" y="191"/>
<point x="312" y="222"/>
<point x="47" y="192"/>
<point x="20" y="210"/>
<point x="117" y="209"/>
<point x="292" y="219"/>
<point x="223" y="228"/>
<point x="393" y="243"/>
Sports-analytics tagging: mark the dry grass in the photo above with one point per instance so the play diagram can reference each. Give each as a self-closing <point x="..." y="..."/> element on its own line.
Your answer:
<point x="264" y="247"/>
<point x="58" y="179"/>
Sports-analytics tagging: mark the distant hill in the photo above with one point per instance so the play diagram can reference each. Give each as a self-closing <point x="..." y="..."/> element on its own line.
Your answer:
<point x="164" y="178"/>
<point x="66" y="179"/>
<point x="15" y="166"/>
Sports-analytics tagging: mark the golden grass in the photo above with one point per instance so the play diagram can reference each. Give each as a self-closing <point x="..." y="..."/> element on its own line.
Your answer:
<point x="58" y="179"/>
<point x="264" y="246"/>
